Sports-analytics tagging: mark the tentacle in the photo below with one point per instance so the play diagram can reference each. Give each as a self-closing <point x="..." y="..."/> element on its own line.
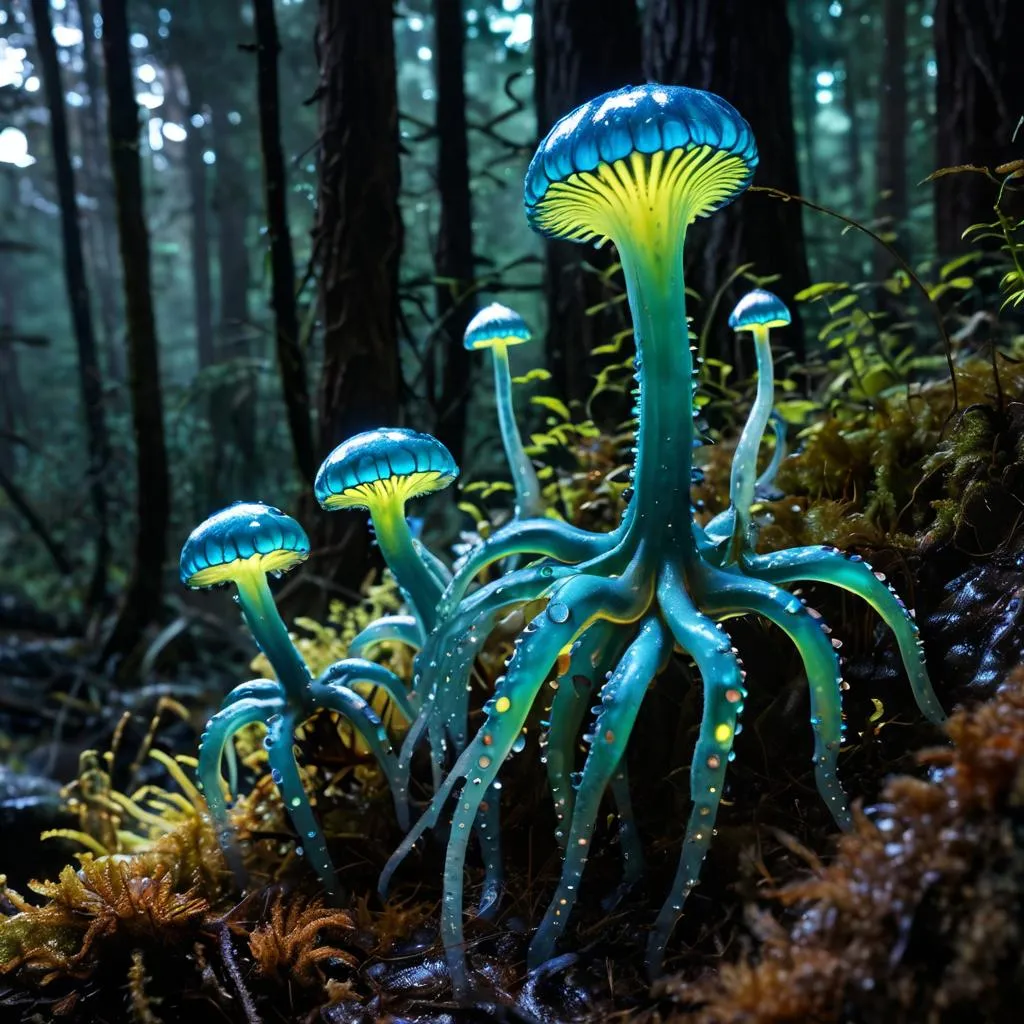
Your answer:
<point x="722" y="526"/>
<point x="572" y="608"/>
<point x="851" y="573"/>
<point x="350" y="672"/>
<point x="764" y="485"/>
<point x="444" y="665"/>
<point x="550" y="538"/>
<point x="589" y="658"/>
<point x="629" y="837"/>
<point x="391" y="629"/>
<point x="621" y="698"/>
<point x="216" y="737"/>
<point x="488" y="833"/>
<point x="722" y="683"/>
<point x="284" y="770"/>
<point x="334" y="695"/>
<point x="441" y="573"/>
<point x="731" y="594"/>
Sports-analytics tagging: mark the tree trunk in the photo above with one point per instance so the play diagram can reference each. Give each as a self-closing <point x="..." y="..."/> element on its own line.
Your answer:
<point x="576" y="56"/>
<point x="453" y="252"/>
<point x="232" y="414"/>
<point x="358" y="242"/>
<point x="290" y="356"/>
<point x="141" y="604"/>
<point x="104" y="229"/>
<point x="89" y="374"/>
<point x="853" y="88"/>
<point x="199" y="236"/>
<point x="891" y="155"/>
<point x="979" y="100"/>
<point x="741" y="51"/>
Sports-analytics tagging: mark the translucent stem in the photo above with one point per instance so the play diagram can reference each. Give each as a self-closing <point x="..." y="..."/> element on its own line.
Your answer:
<point x="529" y="502"/>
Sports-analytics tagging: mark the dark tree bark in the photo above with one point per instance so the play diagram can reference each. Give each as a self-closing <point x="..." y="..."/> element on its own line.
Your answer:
<point x="290" y="357"/>
<point x="741" y="51"/>
<point x="891" y="155"/>
<point x="854" y="86"/>
<point x="232" y="412"/>
<point x="199" y="236"/>
<point x="89" y="374"/>
<point x="358" y="242"/>
<point x="453" y="251"/>
<point x="980" y="99"/>
<point x="104" y="229"/>
<point x="806" y="39"/>
<point x="578" y="55"/>
<point x="141" y="604"/>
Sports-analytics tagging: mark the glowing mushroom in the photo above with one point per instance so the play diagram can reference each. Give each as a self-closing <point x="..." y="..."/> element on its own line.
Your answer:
<point x="758" y="312"/>
<point x="496" y="327"/>
<point x="381" y="470"/>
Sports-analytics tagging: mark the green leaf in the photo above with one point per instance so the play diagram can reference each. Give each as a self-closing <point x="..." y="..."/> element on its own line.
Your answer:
<point x="556" y="405"/>
<point x="954" y="265"/>
<point x="817" y="290"/>
<point x="537" y="373"/>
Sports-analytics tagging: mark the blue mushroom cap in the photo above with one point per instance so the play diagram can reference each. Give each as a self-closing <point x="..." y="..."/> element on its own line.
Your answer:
<point x="496" y="325"/>
<point x="645" y="119"/>
<point x="389" y="464"/>
<point x="759" y="308"/>
<point x="238" y="538"/>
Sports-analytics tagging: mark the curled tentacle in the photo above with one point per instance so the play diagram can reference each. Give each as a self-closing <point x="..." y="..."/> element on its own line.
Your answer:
<point x="335" y="696"/>
<point x="441" y="573"/>
<point x="350" y="672"/>
<point x="722" y="682"/>
<point x="284" y="770"/>
<point x="242" y="711"/>
<point x="391" y="629"/>
<point x="572" y="608"/>
<point x="589" y="658"/>
<point x="540" y="538"/>
<point x="730" y="595"/>
<point x="851" y="573"/>
<point x="444" y="664"/>
<point x="764" y="486"/>
<point x="621" y="698"/>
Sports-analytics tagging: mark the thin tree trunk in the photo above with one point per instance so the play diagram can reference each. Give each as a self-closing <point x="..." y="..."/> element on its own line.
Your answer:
<point x="89" y="375"/>
<point x="891" y="155"/>
<point x="233" y="407"/>
<point x="358" y="242"/>
<point x="290" y="356"/>
<point x="741" y="51"/>
<point x="141" y="604"/>
<point x="453" y="252"/>
<point x="577" y="56"/>
<point x="851" y="94"/>
<point x="104" y="229"/>
<point x="199" y="235"/>
<point x="979" y="99"/>
<point x="806" y="93"/>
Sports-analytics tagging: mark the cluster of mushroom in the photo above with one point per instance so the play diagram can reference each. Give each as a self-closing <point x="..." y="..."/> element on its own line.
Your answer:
<point x="636" y="166"/>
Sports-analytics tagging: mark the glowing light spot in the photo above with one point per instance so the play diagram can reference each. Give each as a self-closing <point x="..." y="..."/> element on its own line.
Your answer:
<point x="502" y="704"/>
<point x="723" y="733"/>
<point x="714" y="761"/>
<point x="484" y="762"/>
<point x="733" y="696"/>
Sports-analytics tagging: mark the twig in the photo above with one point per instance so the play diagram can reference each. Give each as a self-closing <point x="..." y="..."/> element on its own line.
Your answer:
<point x="778" y="193"/>
<point x="38" y="527"/>
<point x="227" y="955"/>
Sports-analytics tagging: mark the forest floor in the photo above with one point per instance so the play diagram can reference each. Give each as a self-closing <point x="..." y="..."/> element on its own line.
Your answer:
<point x="916" y="915"/>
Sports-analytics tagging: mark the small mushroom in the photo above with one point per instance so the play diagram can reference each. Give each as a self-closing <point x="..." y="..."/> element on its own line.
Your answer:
<point x="380" y="470"/>
<point x="758" y="311"/>
<point x="242" y="544"/>
<point x="496" y="327"/>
